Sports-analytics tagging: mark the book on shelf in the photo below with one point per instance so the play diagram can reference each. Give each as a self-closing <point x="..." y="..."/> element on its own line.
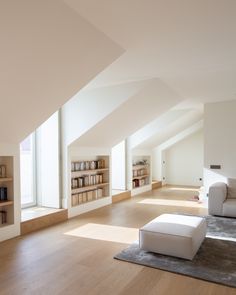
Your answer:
<point x="80" y="198"/>
<point x="99" y="193"/>
<point x="3" y="171"/>
<point x="86" y="180"/>
<point x="3" y="216"/>
<point x="87" y="165"/>
<point x="85" y="197"/>
<point x="140" y="182"/>
<point x="90" y="196"/>
<point x="3" y="193"/>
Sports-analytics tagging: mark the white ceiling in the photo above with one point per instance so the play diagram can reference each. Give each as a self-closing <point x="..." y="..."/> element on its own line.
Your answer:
<point x="190" y="45"/>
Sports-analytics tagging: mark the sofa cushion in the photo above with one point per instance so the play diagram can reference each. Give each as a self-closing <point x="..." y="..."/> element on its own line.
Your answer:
<point x="229" y="208"/>
<point x="231" y="187"/>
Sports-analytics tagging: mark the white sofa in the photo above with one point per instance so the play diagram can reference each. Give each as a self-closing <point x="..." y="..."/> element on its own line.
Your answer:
<point x="222" y="198"/>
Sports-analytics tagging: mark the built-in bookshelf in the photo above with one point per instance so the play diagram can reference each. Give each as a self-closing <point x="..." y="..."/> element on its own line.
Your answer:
<point x="140" y="172"/>
<point x="89" y="180"/>
<point x="6" y="191"/>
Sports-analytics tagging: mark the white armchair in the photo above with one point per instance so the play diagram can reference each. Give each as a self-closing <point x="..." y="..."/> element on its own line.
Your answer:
<point x="222" y="198"/>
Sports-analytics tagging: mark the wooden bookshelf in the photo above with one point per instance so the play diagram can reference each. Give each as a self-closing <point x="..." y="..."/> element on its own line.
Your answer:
<point x="6" y="191"/>
<point x="88" y="188"/>
<point x="140" y="171"/>
<point x="89" y="180"/>
<point x="78" y="173"/>
<point x="6" y="203"/>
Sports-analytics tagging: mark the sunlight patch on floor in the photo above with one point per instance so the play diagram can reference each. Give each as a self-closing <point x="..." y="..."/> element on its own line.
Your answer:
<point x="221" y="238"/>
<point x="183" y="189"/>
<point x="104" y="232"/>
<point x="178" y="203"/>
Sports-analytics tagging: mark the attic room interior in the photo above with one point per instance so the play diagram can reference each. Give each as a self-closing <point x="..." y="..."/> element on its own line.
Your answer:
<point x="117" y="156"/>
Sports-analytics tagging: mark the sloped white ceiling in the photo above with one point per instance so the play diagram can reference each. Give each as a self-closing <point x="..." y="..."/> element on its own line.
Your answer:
<point x="171" y="129"/>
<point x="87" y="108"/>
<point x="48" y="53"/>
<point x="152" y="101"/>
<point x="189" y="45"/>
<point x="190" y="130"/>
<point x="157" y="125"/>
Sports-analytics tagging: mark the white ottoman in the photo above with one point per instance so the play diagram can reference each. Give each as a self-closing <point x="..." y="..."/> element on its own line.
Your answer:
<point x="174" y="235"/>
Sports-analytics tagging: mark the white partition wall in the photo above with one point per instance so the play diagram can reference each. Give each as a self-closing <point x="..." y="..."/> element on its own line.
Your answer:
<point x="119" y="166"/>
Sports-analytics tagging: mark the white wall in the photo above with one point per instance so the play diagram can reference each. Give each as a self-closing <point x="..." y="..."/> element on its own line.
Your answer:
<point x="119" y="166"/>
<point x="219" y="141"/>
<point x="158" y="153"/>
<point x="184" y="161"/>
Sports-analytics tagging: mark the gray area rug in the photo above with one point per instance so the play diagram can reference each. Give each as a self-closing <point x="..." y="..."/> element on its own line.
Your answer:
<point x="215" y="261"/>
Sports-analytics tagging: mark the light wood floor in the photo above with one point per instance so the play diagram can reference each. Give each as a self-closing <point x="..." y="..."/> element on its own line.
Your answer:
<point x="76" y="257"/>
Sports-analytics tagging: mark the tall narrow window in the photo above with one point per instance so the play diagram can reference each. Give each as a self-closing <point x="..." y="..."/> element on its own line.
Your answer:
<point x="27" y="169"/>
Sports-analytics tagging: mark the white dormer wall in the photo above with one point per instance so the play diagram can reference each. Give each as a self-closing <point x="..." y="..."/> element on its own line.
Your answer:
<point x="48" y="53"/>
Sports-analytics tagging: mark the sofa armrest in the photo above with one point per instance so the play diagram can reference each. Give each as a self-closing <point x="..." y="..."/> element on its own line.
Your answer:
<point x="216" y="197"/>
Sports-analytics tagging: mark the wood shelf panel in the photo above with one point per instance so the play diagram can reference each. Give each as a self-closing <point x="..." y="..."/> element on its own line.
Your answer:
<point x="137" y="167"/>
<point x="141" y="176"/>
<point x="74" y="173"/>
<point x="5" y="179"/>
<point x="87" y="188"/>
<point x="6" y="203"/>
<point x="90" y="201"/>
<point x="5" y="224"/>
<point x="141" y="186"/>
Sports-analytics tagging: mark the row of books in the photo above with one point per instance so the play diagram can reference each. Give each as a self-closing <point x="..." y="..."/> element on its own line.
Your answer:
<point x="3" y="193"/>
<point x="87" y="165"/>
<point x="86" y="180"/>
<point x="139" y="172"/>
<point x="3" y="217"/>
<point x="140" y="182"/>
<point x="3" y="171"/>
<point x="85" y="197"/>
